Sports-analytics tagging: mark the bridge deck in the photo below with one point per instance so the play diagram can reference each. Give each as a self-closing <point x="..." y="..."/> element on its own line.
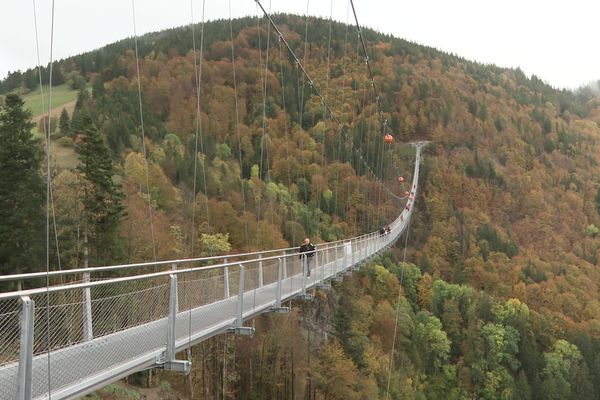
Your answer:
<point x="102" y="360"/>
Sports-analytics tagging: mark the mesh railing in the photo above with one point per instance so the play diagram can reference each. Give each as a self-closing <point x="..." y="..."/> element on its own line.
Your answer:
<point x="10" y="314"/>
<point x="128" y="318"/>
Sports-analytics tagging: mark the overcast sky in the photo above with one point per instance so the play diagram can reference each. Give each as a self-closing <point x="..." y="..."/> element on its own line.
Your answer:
<point x="556" y="40"/>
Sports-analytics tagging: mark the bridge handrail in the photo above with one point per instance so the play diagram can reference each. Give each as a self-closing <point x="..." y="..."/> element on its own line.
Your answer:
<point x="120" y="267"/>
<point x="117" y="267"/>
<point x="91" y="270"/>
<point x="58" y="288"/>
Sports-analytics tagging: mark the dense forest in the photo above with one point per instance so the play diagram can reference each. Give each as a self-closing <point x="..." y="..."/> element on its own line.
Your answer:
<point x="499" y="299"/>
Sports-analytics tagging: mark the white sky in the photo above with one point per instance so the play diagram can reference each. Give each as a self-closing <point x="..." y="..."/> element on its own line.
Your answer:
<point x="556" y="40"/>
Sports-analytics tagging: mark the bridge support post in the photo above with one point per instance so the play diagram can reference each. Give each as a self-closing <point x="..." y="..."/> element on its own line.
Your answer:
<point x="239" y="328"/>
<point x="26" y="350"/>
<point x="322" y="285"/>
<point x="334" y="276"/>
<point x="361" y="251"/>
<point x="352" y="255"/>
<point x="372" y="245"/>
<point x="305" y="269"/>
<point x="88" y="330"/>
<point x="337" y="260"/>
<point x="284" y="268"/>
<point x="260" y="271"/>
<point x="226" y="281"/>
<point x="355" y="255"/>
<point x="278" y="308"/>
<point x="303" y="274"/>
<point x="322" y="266"/>
<point x="334" y="262"/>
<point x="170" y="361"/>
<point x="174" y="268"/>
<point x="347" y="268"/>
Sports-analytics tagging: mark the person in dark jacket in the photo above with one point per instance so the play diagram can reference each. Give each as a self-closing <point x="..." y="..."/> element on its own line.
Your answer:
<point x="307" y="252"/>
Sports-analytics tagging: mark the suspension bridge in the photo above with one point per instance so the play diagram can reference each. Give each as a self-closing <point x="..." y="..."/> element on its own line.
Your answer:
<point x="65" y="340"/>
<point x="105" y="329"/>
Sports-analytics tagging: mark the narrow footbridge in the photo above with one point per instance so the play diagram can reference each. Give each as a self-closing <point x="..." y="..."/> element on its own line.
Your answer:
<point x="69" y="339"/>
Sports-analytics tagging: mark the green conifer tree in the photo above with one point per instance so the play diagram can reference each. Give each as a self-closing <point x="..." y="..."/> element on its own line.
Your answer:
<point x="21" y="190"/>
<point x="101" y="195"/>
<point x="64" y="122"/>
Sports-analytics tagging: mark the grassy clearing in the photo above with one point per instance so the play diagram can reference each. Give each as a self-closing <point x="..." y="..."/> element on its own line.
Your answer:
<point x="61" y="95"/>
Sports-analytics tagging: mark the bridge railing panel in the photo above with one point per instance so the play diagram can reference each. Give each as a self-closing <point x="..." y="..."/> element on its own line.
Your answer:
<point x="124" y="305"/>
<point x="61" y="311"/>
<point x="199" y="288"/>
<point x="251" y="275"/>
<point x="10" y="316"/>
<point x="270" y="270"/>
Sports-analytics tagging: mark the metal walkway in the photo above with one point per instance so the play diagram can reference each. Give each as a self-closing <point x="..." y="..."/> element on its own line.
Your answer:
<point x="95" y="331"/>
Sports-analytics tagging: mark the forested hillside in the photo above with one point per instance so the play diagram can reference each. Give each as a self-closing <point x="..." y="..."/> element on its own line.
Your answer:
<point x="501" y="298"/>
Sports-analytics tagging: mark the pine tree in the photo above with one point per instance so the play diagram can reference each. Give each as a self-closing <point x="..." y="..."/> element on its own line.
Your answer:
<point x="21" y="190"/>
<point x="102" y="196"/>
<point x="64" y="123"/>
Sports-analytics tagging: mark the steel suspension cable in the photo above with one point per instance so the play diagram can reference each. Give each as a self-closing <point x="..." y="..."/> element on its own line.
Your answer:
<point x="387" y="392"/>
<point x="197" y="134"/>
<point x="237" y="126"/>
<point x="198" y="126"/>
<point x="48" y="190"/>
<point x="264" y="118"/>
<point x="301" y="110"/>
<point x="287" y="141"/>
<point x="382" y="119"/>
<point x="307" y="76"/>
<point x="337" y="170"/>
<point x="324" y="145"/>
<point x="361" y="132"/>
<point x="381" y="145"/>
<point x="371" y="161"/>
<point x="355" y="104"/>
<point x="46" y="134"/>
<point x="139" y="86"/>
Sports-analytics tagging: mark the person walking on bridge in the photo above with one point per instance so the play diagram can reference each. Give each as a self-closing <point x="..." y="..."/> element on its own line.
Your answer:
<point x="307" y="251"/>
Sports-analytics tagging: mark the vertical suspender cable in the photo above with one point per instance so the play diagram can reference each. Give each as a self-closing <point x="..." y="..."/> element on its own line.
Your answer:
<point x="48" y="189"/>
<point x="371" y="164"/>
<point x="323" y="164"/>
<point x="353" y="161"/>
<point x="382" y="118"/>
<point x="287" y="141"/>
<point x="139" y="85"/>
<point x="264" y="120"/>
<point x="198" y="131"/>
<point x="237" y="126"/>
<point x="369" y="70"/>
<point x="46" y="133"/>
<point x="311" y="82"/>
<point x="387" y="392"/>
<point x="301" y="107"/>
<point x="339" y="151"/>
